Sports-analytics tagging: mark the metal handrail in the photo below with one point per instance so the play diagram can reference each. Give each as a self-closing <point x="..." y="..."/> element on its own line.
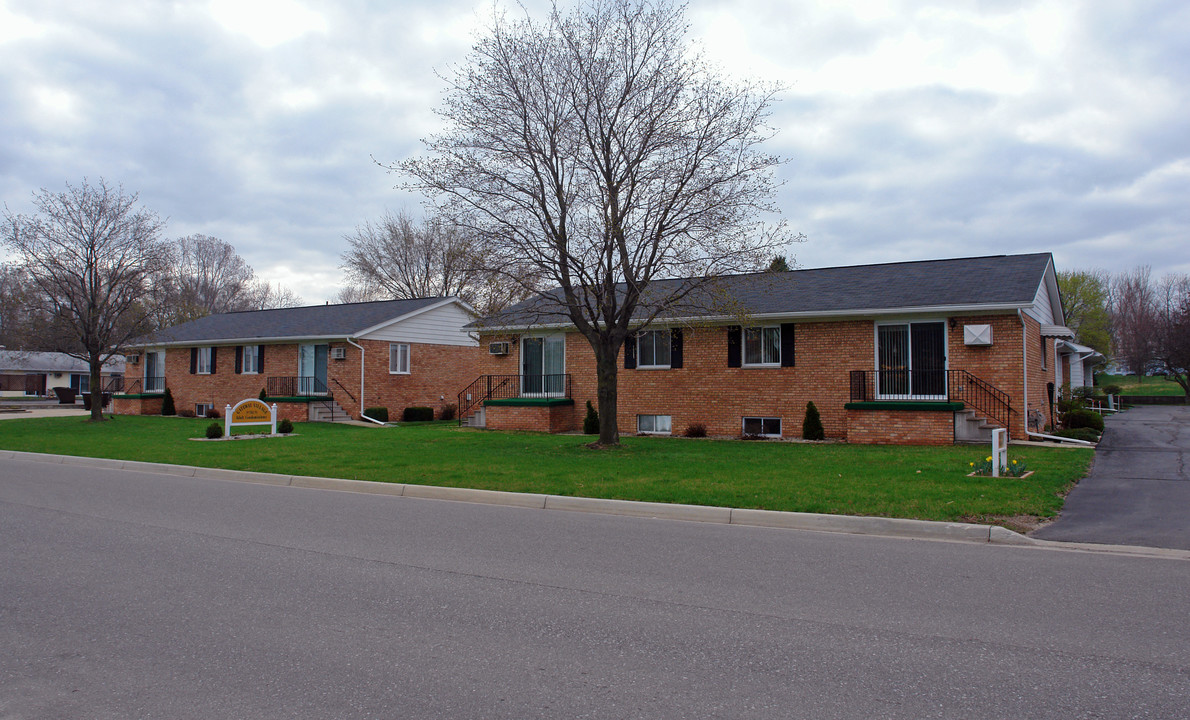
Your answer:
<point x="501" y="387"/>
<point x="296" y="386"/>
<point x="951" y="385"/>
<point x="345" y="390"/>
<point x="137" y="386"/>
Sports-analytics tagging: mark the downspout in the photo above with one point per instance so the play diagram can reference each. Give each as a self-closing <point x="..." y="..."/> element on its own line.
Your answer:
<point x="361" y="382"/>
<point x="1025" y="371"/>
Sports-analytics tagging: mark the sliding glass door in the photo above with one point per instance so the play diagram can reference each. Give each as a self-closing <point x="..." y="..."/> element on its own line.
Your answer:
<point x="911" y="361"/>
<point x="543" y="366"/>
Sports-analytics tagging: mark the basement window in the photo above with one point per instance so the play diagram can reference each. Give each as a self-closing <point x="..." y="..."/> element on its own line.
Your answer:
<point x="653" y="424"/>
<point x="762" y="426"/>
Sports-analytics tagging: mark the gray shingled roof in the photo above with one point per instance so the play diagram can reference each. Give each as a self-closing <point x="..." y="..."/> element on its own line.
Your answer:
<point x="1001" y="280"/>
<point x="314" y="321"/>
<point x="40" y="362"/>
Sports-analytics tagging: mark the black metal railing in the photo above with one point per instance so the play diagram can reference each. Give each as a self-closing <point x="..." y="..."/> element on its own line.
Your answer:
<point x="342" y="387"/>
<point x="950" y="385"/>
<point x="299" y="386"/>
<point x="114" y="385"/>
<point x="136" y="386"/>
<point x="502" y="387"/>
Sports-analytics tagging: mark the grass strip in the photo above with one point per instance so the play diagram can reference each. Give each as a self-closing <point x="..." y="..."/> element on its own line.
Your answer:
<point x="928" y="483"/>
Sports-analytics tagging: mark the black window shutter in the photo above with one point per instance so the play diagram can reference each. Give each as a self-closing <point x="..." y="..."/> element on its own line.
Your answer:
<point x="260" y="358"/>
<point x="239" y="359"/>
<point x="787" y="351"/>
<point x="675" y="347"/>
<point x="734" y="356"/>
<point x="193" y="360"/>
<point x="214" y="354"/>
<point x="630" y="352"/>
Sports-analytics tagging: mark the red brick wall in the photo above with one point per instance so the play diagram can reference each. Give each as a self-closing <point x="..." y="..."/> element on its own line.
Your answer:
<point x="706" y="391"/>
<point x="136" y="406"/>
<point x="560" y="418"/>
<point x="437" y="373"/>
<point x="900" y="427"/>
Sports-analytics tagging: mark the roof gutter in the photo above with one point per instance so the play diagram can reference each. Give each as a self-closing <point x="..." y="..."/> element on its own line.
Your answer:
<point x="242" y="341"/>
<point x="825" y="315"/>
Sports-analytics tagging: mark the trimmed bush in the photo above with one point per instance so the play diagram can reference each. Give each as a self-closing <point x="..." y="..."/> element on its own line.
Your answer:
<point x="695" y="430"/>
<point x="263" y="394"/>
<point x="417" y="414"/>
<point x="1083" y="433"/>
<point x="186" y="413"/>
<point x="284" y="426"/>
<point x="213" y="413"/>
<point x="167" y="404"/>
<point x="1112" y="390"/>
<point x="591" y="421"/>
<point x="448" y="412"/>
<point x="379" y="414"/>
<point x="812" y="424"/>
<point x="214" y="431"/>
<point x="1083" y="419"/>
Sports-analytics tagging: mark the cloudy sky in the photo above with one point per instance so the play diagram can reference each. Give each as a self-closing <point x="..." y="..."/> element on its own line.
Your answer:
<point x="912" y="130"/>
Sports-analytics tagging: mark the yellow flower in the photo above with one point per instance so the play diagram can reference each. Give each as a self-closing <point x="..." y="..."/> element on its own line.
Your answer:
<point x="1014" y="462"/>
<point x="971" y="464"/>
<point x="989" y="458"/>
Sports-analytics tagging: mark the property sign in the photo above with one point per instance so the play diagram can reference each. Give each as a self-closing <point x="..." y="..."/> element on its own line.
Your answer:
<point x="250" y="412"/>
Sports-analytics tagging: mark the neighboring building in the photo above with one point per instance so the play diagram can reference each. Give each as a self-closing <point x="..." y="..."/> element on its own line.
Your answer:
<point x="928" y="352"/>
<point x="318" y="362"/>
<point x="36" y="374"/>
<point x="1076" y="364"/>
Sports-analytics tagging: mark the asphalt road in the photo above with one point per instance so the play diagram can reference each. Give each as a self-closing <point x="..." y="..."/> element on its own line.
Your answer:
<point x="134" y="595"/>
<point x="1138" y="492"/>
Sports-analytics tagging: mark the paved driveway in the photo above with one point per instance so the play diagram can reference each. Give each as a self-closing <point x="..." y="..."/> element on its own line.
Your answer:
<point x="1138" y="492"/>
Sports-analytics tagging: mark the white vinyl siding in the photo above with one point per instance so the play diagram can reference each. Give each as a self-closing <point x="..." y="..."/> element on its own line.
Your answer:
<point x="439" y="326"/>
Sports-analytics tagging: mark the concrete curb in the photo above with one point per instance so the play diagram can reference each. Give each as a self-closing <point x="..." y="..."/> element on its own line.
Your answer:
<point x="849" y="524"/>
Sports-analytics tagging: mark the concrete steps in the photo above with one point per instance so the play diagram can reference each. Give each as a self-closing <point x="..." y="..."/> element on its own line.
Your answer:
<point x="327" y="411"/>
<point x="477" y="418"/>
<point x="971" y="428"/>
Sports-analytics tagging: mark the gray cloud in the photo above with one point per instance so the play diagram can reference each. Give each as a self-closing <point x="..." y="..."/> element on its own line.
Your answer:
<point x="912" y="132"/>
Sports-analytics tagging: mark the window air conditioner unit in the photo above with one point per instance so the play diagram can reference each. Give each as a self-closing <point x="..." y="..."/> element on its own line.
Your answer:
<point x="338" y="353"/>
<point x="498" y="348"/>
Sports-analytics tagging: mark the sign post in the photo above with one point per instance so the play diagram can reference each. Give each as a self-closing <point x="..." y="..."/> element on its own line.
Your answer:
<point x="250" y="412"/>
<point x="999" y="451"/>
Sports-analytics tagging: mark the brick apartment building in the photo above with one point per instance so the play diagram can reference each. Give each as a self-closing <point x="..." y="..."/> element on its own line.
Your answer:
<point x="317" y="363"/>
<point x="928" y="352"/>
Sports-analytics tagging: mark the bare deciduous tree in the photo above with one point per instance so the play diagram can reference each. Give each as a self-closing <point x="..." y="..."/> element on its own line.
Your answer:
<point x="263" y="296"/>
<point x="93" y="253"/>
<point x="400" y="258"/>
<point x="1172" y="325"/>
<point x="598" y="151"/>
<point x="21" y="314"/>
<point x="1133" y="322"/>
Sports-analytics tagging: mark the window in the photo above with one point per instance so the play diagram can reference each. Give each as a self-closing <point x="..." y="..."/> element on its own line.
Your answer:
<point x="204" y="360"/>
<point x="762" y="426"/>
<point x="1043" y="353"/>
<point x="398" y="358"/>
<point x="201" y="409"/>
<point x="653" y="348"/>
<point x="659" y="424"/>
<point x="762" y="345"/>
<point x="251" y="360"/>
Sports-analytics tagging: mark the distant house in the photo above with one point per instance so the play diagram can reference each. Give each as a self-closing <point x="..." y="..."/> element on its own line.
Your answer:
<point x="929" y="352"/>
<point x="36" y="374"/>
<point x="1076" y="364"/>
<point x="321" y="362"/>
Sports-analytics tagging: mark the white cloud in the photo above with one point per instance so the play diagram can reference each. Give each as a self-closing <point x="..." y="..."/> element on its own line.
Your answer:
<point x="267" y="23"/>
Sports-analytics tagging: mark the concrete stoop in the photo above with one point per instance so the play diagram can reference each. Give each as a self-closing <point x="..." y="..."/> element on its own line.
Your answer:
<point x="970" y="428"/>
<point x="476" y="419"/>
<point x="327" y="411"/>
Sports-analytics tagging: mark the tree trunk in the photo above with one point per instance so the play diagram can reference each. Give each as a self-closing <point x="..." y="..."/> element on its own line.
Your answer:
<point x="606" y="374"/>
<point x="96" y="390"/>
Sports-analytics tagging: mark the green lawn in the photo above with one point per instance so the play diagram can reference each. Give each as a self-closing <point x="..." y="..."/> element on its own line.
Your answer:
<point x="1140" y="384"/>
<point x="889" y="481"/>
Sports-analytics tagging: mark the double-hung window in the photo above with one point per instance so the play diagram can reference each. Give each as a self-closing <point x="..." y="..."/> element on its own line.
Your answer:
<point x="203" y="366"/>
<point x="251" y="360"/>
<point x="762" y="345"/>
<point x="653" y="349"/>
<point x="398" y="358"/>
